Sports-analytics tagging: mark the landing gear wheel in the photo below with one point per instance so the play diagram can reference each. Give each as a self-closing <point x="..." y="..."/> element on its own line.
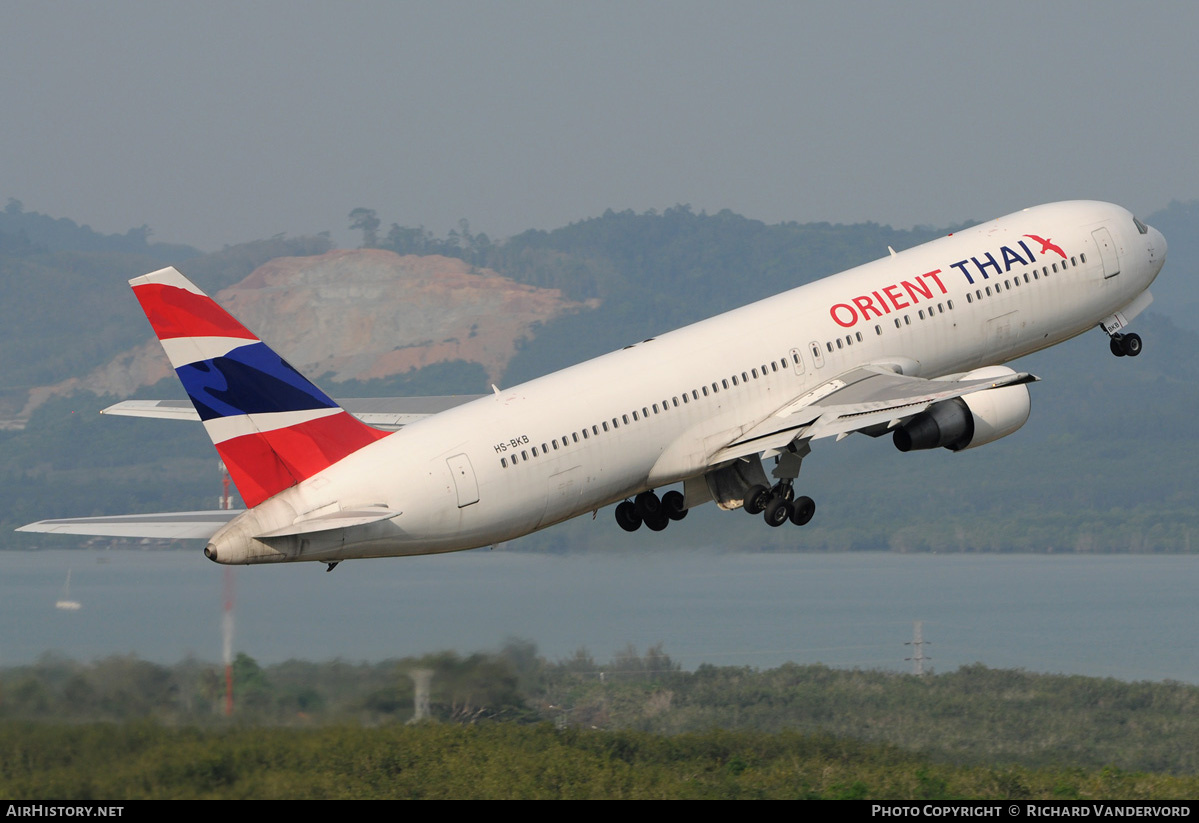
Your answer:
<point x="802" y="510"/>
<point x="778" y="511"/>
<point x="756" y="499"/>
<point x="672" y="505"/>
<point x="627" y="517"/>
<point x="657" y="521"/>
<point x="1131" y="345"/>
<point x="647" y="504"/>
<point x="1117" y="347"/>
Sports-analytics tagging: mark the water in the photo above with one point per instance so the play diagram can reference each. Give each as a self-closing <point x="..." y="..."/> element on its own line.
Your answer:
<point x="1130" y="617"/>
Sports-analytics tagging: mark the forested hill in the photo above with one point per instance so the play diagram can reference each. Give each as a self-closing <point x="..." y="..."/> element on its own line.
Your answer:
<point x="652" y="272"/>
<point x="25" y="232"/>
<point x="1106" y="463"/>
<point x="658" y="271"/>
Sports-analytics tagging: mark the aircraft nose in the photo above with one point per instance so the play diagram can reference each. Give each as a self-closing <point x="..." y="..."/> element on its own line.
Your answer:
<point x="1159" y="242"/>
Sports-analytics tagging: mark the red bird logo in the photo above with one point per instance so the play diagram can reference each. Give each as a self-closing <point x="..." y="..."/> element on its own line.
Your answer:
<point x="1047" y="244"/>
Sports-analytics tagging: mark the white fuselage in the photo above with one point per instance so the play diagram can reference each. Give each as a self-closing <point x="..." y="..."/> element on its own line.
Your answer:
<point x="654" y="413"/>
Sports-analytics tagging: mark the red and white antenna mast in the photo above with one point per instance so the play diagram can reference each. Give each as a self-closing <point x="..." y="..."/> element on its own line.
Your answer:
<point x="226" y="503"/>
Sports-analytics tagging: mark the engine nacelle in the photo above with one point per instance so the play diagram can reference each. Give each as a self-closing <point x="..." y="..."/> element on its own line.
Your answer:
<point x="968" y="421"/>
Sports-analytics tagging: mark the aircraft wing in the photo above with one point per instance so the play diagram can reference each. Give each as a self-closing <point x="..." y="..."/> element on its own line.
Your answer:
<point x="387" y="413"/>
<point x="172" y="526"/>
<point x="860" y="399"/>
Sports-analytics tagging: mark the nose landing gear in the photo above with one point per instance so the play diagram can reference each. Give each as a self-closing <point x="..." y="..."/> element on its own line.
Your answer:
<point x="1126" y="345"/>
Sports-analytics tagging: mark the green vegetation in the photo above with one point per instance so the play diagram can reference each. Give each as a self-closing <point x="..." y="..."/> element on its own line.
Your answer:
<point x="502" y="761"/>
<point x="511" y="724"/>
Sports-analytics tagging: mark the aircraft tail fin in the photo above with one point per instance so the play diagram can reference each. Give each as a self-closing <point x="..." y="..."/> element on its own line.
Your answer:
<point x="271" y="426"/>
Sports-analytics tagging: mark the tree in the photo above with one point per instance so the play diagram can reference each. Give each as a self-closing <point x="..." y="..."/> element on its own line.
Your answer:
<point x="368" y="223"/>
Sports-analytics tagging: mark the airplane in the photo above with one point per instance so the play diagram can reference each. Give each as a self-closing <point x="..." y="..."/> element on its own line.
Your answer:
<point x="911" y="345"/>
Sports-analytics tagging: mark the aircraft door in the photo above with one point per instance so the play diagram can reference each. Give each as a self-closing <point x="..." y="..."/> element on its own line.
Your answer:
<point x="563" y="495"/>
<point x="1107" y="252"/>
<point x="464" y="480"/>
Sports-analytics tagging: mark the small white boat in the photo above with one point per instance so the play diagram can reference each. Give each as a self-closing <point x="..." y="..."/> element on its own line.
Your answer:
<point x="65" y="602"/>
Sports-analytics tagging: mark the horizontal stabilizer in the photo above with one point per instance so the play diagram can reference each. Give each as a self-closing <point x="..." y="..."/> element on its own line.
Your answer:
<point x="337" y="520"/>
<point x="387" y="413"/>
<point x="169" y="526"/>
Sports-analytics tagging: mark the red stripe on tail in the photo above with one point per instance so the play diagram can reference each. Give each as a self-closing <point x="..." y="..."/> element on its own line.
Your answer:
<point x="176" y="312"/>
<point x="264" y="464"/>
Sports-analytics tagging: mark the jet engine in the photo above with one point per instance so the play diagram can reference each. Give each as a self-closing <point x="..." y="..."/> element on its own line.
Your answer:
<point x="970" y="420"/>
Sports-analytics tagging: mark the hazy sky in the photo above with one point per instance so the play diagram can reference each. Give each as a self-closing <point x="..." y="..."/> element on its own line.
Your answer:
<point x="219" y="122"/>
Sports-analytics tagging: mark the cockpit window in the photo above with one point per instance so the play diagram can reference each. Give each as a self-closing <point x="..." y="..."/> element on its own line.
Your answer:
<point x="1141" y="227"/>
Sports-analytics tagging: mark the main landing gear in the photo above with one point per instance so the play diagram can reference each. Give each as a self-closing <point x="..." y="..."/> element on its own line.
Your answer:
<point x="1126" y="345"/>
<point x="648" y="508"/>
<point x="779" y="504"/>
